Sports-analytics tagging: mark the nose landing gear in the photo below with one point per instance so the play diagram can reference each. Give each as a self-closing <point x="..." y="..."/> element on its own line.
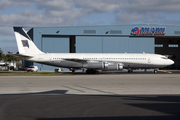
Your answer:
<point x="155" y="70"/>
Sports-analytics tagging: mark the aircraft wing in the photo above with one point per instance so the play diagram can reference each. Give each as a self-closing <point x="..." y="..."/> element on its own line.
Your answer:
<point x="77" y="60"/>
<point x="20" y="56"/>
<point x="86" y="61"/>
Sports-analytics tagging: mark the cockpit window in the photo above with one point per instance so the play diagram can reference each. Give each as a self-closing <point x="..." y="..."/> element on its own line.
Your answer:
<point x="164" y="58"/>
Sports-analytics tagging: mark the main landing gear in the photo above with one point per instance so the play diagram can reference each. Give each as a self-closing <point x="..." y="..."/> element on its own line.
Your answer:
<point x="91" y="71"/>
<point x="130" y="70"/>
<point x="73" y="70"/>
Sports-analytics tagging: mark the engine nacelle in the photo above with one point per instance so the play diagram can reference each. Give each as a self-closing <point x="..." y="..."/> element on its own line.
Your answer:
<point x="115" y="67"/>
<point x="100" y="65"/>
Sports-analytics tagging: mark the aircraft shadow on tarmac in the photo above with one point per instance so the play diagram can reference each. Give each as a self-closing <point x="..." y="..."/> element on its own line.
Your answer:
<point x="124" y="72"/>
<point x="56" y="92"/>
<point x="53" y="92"/>
<point x="169" y="105"/>
<point x="116" y="118"/>
<point x="110" y="107"/>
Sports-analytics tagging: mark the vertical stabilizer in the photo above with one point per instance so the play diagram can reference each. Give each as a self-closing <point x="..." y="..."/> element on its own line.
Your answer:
<point x="24" y="43"/>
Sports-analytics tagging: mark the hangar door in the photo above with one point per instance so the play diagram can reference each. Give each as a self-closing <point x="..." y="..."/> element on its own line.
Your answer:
<point x="141" y="44"/>
<point x="170" y="47"/>
<point x="129" y="45"/>
<point x="53" y="44"/>
<point x="99" y="44"/>
<point x="114" y="44"/>
<point x="86" y="44"/>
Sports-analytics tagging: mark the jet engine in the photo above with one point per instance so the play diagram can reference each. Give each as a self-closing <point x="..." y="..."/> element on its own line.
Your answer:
<point x="100" y="65"/>
<point x="115" y="67"/>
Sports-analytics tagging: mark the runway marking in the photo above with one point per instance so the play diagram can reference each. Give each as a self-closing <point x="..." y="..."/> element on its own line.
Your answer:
<point x="73" y="89"/>
<point x="95" y="89"/>
<point x="165" y="71"/>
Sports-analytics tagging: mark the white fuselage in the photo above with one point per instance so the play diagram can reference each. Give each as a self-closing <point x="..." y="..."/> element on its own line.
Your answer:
<point x="76" y="60"/>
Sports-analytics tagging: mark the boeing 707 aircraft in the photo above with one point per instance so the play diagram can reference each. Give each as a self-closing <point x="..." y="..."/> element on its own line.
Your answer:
<point x="92" y="62"/>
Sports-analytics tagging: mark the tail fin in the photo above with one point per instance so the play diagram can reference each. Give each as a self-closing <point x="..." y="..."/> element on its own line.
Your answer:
<point x="24" y="42"/>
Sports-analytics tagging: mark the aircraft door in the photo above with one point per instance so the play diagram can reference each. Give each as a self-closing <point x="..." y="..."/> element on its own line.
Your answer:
<point x="50" y="59"/>
<point x="149" y="60"/>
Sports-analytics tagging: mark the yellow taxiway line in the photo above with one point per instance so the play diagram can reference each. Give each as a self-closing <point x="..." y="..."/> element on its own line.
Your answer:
<point x="165" y="71"/>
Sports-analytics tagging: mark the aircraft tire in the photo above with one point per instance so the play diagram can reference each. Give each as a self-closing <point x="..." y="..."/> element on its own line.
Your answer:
<point x="87" y="71"/>
<point x="130" y="71"/>
<point x="73" y="71"/>
<point x="91" y="71"/>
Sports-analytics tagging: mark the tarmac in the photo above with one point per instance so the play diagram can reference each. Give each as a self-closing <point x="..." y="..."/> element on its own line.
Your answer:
<point x="108" y="95"/>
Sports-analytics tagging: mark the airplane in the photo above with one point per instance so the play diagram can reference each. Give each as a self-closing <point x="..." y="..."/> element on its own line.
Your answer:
<point x="92" y="62"/>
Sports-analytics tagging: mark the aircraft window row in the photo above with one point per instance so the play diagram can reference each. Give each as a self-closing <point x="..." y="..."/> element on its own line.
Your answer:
<point x="105" y="58"/>
<point x="158" y="45"/>
<point x="173" y="45"/>
<point x="117" y="58"/>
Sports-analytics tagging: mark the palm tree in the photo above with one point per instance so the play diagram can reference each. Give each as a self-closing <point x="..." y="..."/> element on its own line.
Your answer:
<point x="5" y="59"/>
<point x="1" y="55"/>
<point x="10" y="58"/>
<point x="15" y="60"/>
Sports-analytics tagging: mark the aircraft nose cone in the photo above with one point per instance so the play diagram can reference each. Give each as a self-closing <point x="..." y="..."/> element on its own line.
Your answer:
<point x="171" y="62"/>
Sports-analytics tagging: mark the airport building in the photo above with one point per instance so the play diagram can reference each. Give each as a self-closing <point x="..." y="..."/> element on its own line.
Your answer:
<point x="137" y="38"/>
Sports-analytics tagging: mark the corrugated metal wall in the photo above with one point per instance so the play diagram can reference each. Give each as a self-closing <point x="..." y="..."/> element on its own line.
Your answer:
<point x="141" y="44"/>
<point x="114" y="45"/>
<point x="86" y="44"/>
<point x="55" y="44"/>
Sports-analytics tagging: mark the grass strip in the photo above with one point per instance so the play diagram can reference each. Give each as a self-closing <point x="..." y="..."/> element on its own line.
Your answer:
<point x="24" y="73"/>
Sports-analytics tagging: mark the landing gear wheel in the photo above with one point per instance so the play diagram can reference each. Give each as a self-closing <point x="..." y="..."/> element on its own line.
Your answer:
<point x="130" y="71"/>
<point x="87" y="71"/>
<point x="155" y="71"/>
<point x="91" y="71"/>
<point x="73" y="71"/>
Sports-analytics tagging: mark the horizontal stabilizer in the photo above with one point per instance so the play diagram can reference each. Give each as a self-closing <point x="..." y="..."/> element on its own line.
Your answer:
<point x="20" y="56"/>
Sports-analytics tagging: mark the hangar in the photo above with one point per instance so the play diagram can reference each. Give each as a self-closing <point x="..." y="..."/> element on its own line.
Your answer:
<point x="136" y="38"/>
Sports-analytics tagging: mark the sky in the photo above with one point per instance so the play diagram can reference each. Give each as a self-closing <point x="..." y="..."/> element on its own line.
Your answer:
<point x="48" y="13"/>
